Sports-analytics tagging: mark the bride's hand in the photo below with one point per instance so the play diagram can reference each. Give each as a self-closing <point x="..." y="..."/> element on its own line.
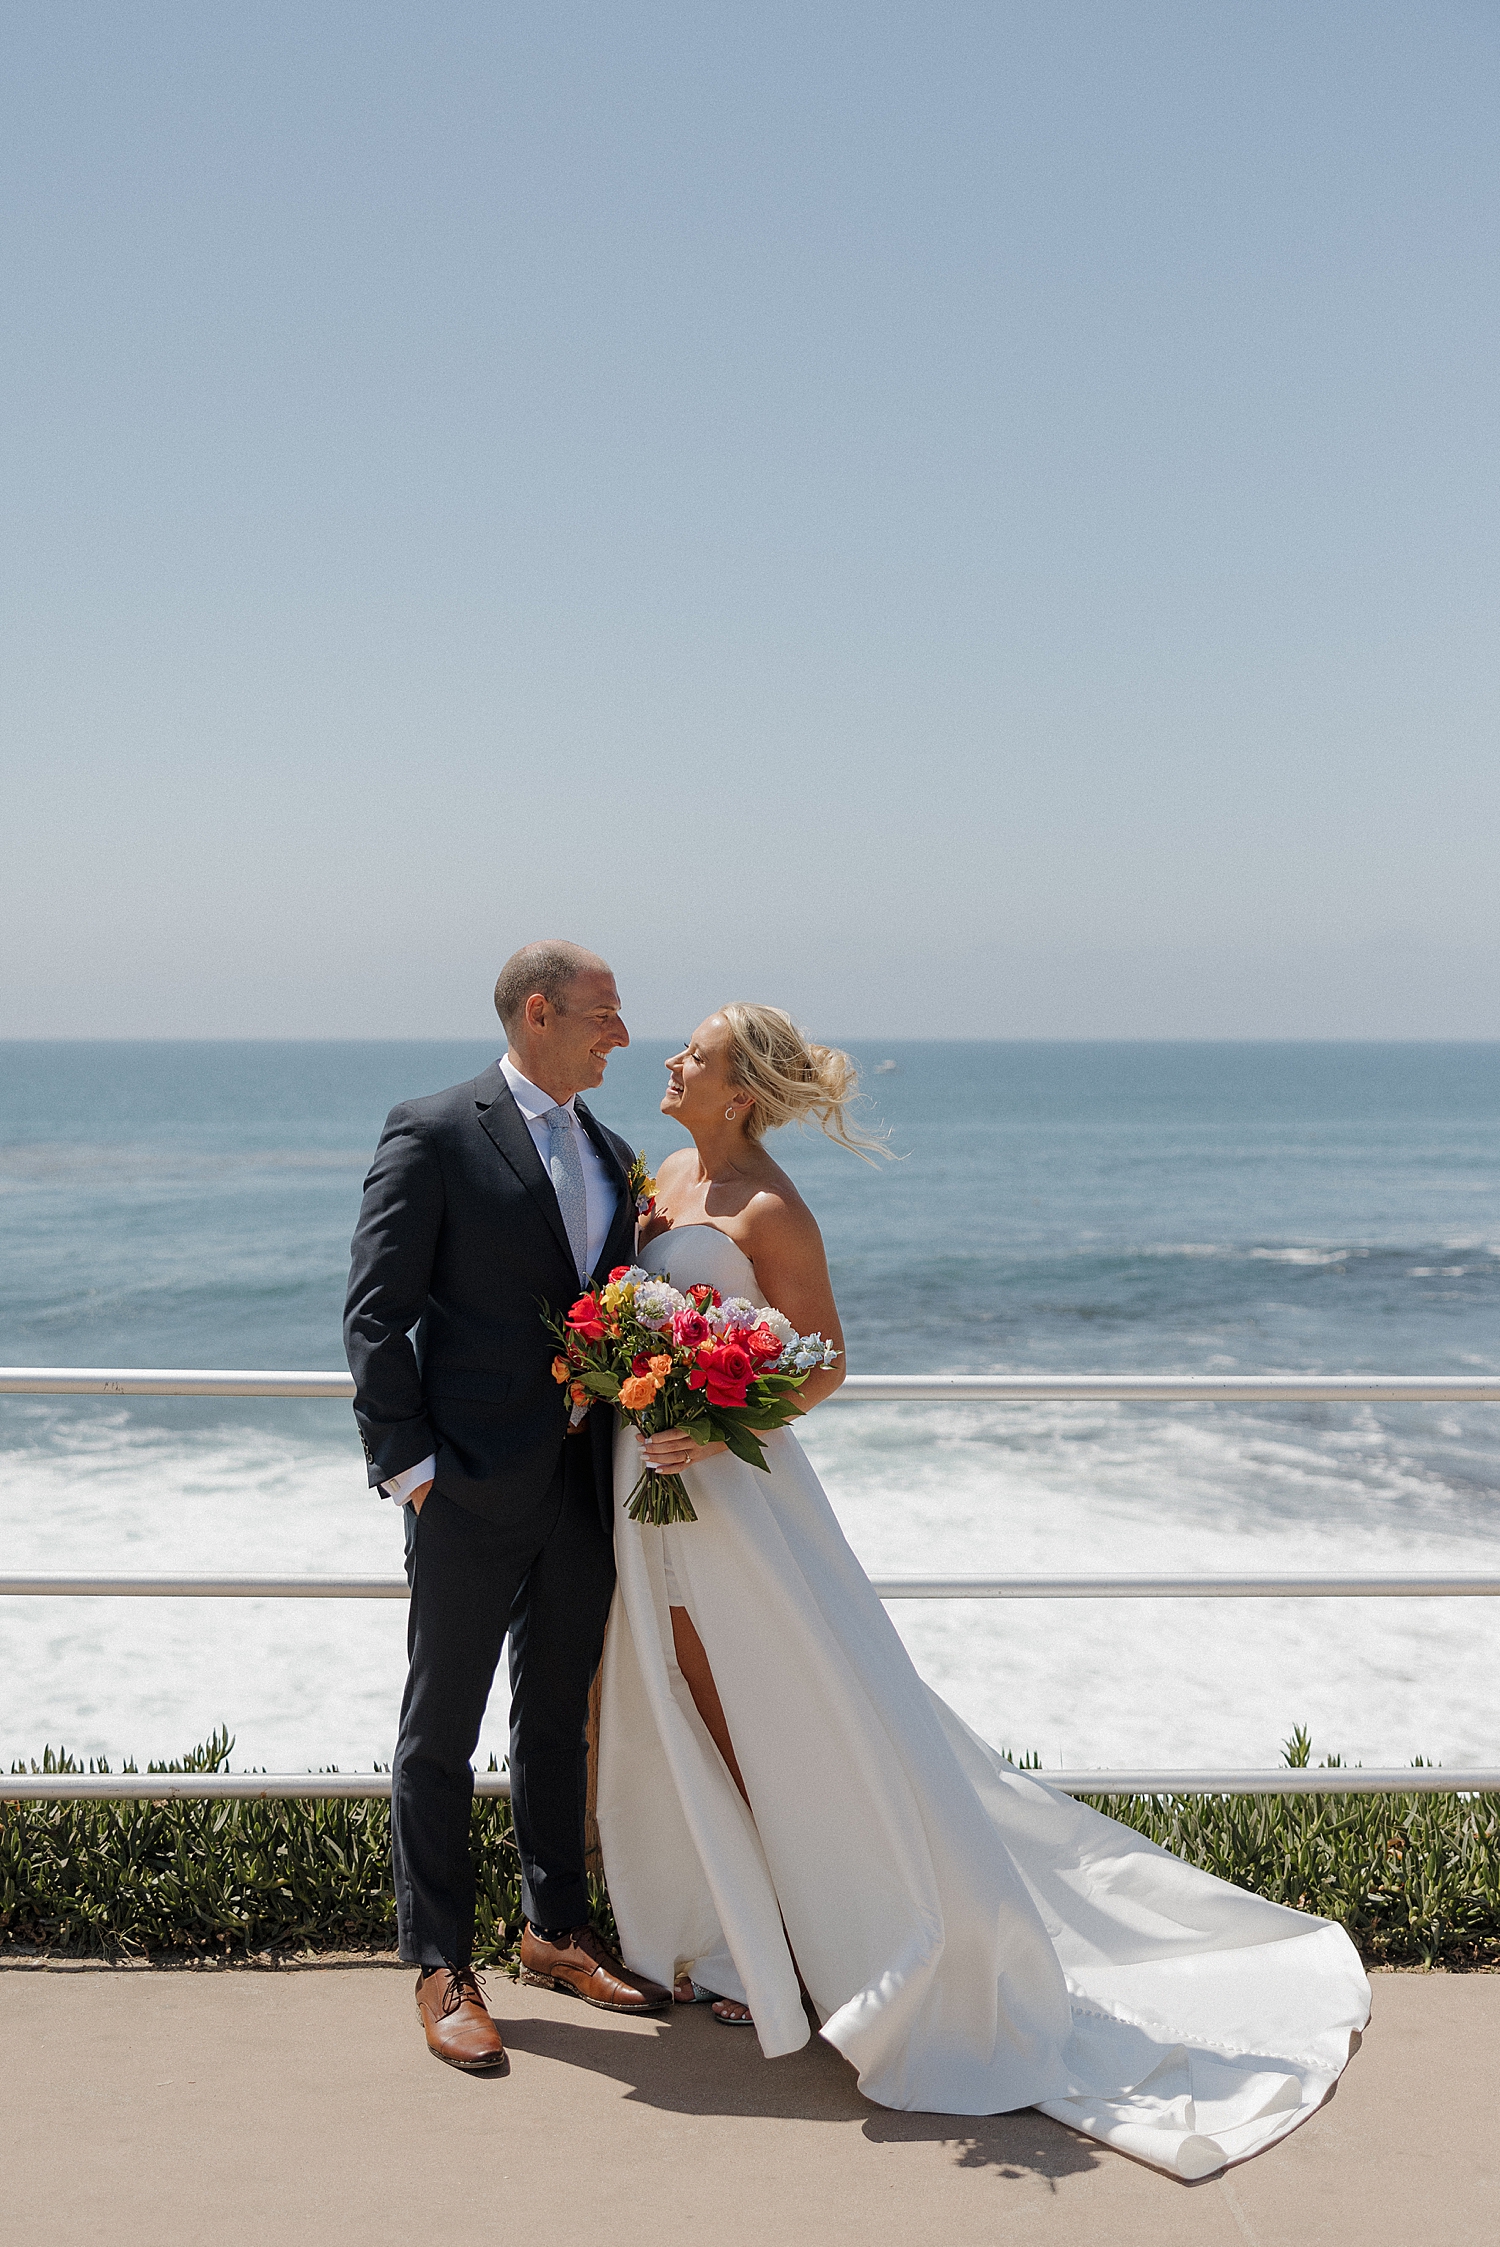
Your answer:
<point x="673" y="1449"/>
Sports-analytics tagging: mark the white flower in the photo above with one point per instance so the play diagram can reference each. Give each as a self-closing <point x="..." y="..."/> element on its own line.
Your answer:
<point x="811" y="1352"/>
<point x="657" y="1303"/>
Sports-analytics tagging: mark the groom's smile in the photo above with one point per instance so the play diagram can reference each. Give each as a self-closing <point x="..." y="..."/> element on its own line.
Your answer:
<point x="584" y="1035"/>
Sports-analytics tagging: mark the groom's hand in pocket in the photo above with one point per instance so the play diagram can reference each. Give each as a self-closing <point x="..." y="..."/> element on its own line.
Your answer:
<point x="418" y="1498"/>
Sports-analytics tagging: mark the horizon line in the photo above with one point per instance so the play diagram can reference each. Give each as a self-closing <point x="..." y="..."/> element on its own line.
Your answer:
<point x="654" y="1037"/>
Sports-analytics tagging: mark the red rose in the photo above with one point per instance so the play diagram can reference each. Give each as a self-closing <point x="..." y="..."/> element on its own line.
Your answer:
<point x="726" y="1373"/>
<point x="640" y="1366"/>
<point x="703" y="1295"/>
<point x="763" y="1343"/>
<point x="584" y="1319"/>
<point x="689" y="1330"/>
<point x="619" y="1271"/>
<point x="732" y="1362"/>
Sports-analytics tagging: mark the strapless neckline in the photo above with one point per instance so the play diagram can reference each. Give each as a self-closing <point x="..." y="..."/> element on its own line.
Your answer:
<point x="660" y="1255"/>
<point x="700" y="1225"/>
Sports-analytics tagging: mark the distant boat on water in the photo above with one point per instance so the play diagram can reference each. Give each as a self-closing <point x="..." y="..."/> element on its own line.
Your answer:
<point x="886" y="1069"/>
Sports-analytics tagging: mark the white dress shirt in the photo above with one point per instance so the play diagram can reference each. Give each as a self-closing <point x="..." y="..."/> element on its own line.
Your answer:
<point x="600" y="1197"/>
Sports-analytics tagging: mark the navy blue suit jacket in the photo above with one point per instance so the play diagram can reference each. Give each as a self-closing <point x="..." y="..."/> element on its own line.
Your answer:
<point x="460" y="1237"/>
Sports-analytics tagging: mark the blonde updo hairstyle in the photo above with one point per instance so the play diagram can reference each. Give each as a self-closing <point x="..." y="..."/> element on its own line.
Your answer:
<point x="791" y="1079"/>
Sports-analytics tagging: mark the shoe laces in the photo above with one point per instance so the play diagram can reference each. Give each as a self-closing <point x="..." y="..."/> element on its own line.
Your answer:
<point x="463" y="1983"/>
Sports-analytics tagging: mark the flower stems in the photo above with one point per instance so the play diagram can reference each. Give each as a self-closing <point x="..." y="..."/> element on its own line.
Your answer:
<point x="659" y="1499"/>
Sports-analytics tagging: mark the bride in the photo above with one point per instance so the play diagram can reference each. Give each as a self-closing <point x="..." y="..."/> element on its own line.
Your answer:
<point x="787" y="1812"/>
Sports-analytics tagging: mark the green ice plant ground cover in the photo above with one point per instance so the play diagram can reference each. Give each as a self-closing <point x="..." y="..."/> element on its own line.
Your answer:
<point x="1414" y="1878"/>
<point x="228" y="1880"/>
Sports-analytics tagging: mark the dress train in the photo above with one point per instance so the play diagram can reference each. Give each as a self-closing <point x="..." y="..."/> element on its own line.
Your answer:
<point x="973" y="1941"/>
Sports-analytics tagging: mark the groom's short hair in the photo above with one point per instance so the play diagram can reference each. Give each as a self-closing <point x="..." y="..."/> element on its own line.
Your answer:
<point x="547" y="968"/>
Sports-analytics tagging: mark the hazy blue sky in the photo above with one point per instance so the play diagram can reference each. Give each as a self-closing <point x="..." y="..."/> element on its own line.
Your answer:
<point x="957" y="519"/>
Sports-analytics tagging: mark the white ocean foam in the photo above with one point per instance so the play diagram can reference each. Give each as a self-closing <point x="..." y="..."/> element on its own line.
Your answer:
<point x="1053" y="1490"/>
<point x="1310" y="1253"/>
<point x="1093" y="1683"/>
<point x="1310" y="1256"/>
<point x="301" y="1683"/>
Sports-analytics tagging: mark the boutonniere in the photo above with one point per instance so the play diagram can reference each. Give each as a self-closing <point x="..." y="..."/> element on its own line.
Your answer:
<point x="642" y="1186"/>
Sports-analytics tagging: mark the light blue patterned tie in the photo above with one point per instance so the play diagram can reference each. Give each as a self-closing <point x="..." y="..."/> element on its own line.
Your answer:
<point x="566" y="1166"/>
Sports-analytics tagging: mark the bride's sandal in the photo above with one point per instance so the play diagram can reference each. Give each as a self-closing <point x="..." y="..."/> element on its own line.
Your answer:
<point x="685" y="1991"/>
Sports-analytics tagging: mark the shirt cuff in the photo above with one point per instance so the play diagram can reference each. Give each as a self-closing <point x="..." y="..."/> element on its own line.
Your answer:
<point x="400" y="1487"/>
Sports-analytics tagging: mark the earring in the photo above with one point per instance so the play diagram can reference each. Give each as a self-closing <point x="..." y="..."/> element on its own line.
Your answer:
<point x="729" y="1115"/>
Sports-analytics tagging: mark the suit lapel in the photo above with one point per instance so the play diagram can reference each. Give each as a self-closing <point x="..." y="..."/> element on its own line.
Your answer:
<point x="504" y="1123"/>
<point x="603" y="1146"/>
<point x="622" y="1229"/>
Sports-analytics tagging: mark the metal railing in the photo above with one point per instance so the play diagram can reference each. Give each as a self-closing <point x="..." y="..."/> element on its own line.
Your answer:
<point x="366" y="1786"/>
<point x="50" y="1585"/>
<point x="940" y="1388"/>
<point x="860" y="1388"/>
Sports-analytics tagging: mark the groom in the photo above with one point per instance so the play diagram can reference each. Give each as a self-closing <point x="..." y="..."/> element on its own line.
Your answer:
<point x="482" y="1203"/>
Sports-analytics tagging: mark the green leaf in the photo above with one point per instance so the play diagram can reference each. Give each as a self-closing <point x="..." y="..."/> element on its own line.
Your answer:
<point x="744" y="1445"/>
<point x="602" y="1384"/>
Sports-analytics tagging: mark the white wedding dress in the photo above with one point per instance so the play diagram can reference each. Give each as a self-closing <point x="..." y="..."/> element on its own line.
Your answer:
<point x="972" y="1941"/>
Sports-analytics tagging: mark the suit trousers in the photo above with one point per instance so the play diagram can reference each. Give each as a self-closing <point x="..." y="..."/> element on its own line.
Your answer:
<point x="545" y="1575"/>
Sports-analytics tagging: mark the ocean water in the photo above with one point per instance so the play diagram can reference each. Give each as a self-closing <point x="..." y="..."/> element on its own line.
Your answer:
<point x="1089" y="1208"/>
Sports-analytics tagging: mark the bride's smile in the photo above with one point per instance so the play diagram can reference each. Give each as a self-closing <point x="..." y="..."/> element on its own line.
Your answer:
<point x="701" y="1091"/>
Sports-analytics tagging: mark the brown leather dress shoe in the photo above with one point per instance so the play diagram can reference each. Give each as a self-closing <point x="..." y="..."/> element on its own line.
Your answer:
<point x="583" y="1966"/>
<point x="458" y="2023"/>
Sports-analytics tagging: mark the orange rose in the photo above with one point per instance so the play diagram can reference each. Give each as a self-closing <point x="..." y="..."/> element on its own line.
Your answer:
<point x="639" y="1391"/>
<point x="661" y="1367"/>
<point x="579" y="1393"/>
<point x="560" y="1369"/>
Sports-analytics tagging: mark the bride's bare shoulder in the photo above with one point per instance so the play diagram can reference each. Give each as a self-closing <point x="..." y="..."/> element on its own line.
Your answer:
<point x="776" y="1214"/>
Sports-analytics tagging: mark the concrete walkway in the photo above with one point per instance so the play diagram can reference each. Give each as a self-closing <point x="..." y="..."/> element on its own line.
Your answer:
<point x="184" y="2109"/>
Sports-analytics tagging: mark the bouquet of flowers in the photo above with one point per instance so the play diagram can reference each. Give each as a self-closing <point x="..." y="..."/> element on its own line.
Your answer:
<point x="725" y="1371"/>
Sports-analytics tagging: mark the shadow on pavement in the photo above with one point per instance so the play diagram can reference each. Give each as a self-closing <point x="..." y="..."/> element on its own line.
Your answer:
<point x="691" y="2065"/>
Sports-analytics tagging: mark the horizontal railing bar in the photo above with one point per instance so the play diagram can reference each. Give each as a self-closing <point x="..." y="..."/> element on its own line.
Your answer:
<point x="337" y="1786"/>
<point x="1165" y="1388"/>
<point x="202" y="1587"/>
<point x="63" y="1586"/>
<point x="860" y="1388"/>
<point x="216" y="1786"/>
<point x="1428" y="1780"/>
<point x="170" y="1381"/>
<point x="1190" y="1587"/>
